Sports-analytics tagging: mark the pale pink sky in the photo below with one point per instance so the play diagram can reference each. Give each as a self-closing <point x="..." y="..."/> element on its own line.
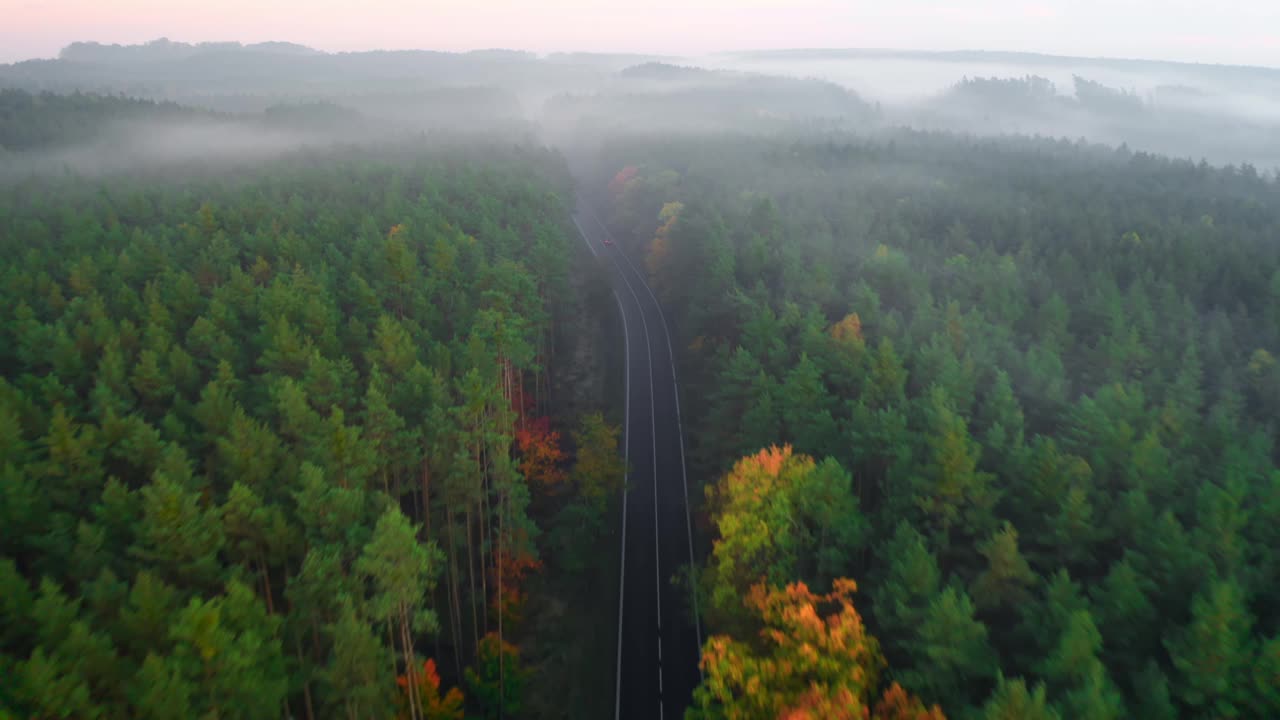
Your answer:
<point x="1226" y="31"/>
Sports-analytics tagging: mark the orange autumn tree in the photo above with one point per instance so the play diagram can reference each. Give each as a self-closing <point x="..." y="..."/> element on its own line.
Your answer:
<point x="624" y="176"/>
<point x="513" y="565"/>
<point x="898" y="704"/>
<point x="541" y="455"/>
<point x="779" y="516"/>
<point x="434" y="705"/>
<point x="848" y="332"/>
<point x="814" y="661"/>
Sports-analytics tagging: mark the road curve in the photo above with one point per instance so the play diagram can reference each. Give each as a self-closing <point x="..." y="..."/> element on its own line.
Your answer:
<point x="658" y="632"/>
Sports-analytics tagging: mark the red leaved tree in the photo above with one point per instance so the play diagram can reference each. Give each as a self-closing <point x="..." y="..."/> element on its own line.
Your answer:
<point x="541" y="455"/>
<point x="434" y="705"/>
<point x="624" y="176"/>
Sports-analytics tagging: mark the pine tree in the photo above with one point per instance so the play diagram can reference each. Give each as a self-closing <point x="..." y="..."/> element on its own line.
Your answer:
<point x="177" y="535"/>
<point x="951" y="660"/>
<point x="1077" y="673"/>
<point x="1008" y="579"/>
<point x="954" y="495"/>
<point x="401" y="571"/>
<point x="1012" y="701"/>
<point x="911" y="582"/>
<point x="356" y="676"/>
<point x="1213" y="650"/>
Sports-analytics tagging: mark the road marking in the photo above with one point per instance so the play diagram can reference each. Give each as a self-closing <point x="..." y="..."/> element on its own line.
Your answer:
<point x="653" y="439"/>
<point x="590" y="247"/>
<point x="684" y="473"/>
<point x="626" y="460"/>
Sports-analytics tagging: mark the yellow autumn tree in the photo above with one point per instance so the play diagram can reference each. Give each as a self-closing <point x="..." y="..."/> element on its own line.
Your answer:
<point x="814" y="661"/>
<point x="779" y="516"/>
<point x="848" y="333"/>
<point x="660" y="246"/>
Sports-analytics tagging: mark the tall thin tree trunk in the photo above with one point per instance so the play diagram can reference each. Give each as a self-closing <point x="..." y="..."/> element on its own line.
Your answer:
<point x="484" y="528"/>
<point x="266" y="583"/>
<point x="315" y="637"/>
<point x="537" y="388"/>
<point x="426" y="496"/>
<point x="411" y="672"/>
<point x="306" y="684"/>
<point x="455" y="603"/>
<point x="502" y="687"/>
<point x="522" y="426"/>
<point x="484" y="538"/>
<point x="471" y="579"/>
<point x="391" y="639"/>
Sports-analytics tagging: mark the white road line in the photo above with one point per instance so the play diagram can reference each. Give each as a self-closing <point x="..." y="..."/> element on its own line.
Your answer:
<point x="684" y="473"/>
<point x="590" y="247"/>
<point x="661" y="699"/>
<point x="653" y="438"/>
<point x="626" y="460"/>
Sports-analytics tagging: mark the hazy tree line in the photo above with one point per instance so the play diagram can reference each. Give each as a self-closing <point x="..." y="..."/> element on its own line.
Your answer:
<point x="1223" y="113"/>
<point x="37" y="120"/>
<point x="275" y="444"/>
<point x="1176" y="120"/>
<point x="1024" y="392"/>
<point x="990" y="420"/>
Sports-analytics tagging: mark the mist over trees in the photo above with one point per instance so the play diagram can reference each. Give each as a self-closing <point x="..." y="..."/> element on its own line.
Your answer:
<point x="1223" y="114"/>
<point x="310" y="392"/>
<point x="1023" y="393"/>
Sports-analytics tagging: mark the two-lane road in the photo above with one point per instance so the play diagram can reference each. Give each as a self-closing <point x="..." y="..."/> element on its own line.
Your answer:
<point x="658" y="633"/>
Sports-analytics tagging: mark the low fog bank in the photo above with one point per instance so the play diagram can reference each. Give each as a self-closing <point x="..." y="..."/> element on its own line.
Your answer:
<point x="1224" y="114"/>
<point x="904" y="76"/>
<point x="285" y="95"/>
<point x="662" y="98"/>
<point x="145" y="146"/>
<point x="92" y="134"/>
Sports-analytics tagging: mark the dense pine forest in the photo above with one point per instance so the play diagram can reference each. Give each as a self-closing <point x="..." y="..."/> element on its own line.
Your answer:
<point x="312" y="395"/>
<point x="277" y="445"/>
<point x="1024" y="393"/>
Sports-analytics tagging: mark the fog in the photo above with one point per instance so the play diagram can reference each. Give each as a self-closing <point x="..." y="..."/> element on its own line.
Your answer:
<point x="887" y="76"/>
<point x="141" y="147"/>
<point x="1224" y="114"/>
<point x="258" y="101"/>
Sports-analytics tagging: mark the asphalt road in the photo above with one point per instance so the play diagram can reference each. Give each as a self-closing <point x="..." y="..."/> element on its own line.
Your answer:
<point x="658" y="634"/>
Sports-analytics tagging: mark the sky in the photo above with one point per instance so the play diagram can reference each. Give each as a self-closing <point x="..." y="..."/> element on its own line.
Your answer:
<point x="1223" y="31"/>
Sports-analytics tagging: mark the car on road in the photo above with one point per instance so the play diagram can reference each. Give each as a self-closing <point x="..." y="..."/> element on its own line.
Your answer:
<point x="607" y="241"/>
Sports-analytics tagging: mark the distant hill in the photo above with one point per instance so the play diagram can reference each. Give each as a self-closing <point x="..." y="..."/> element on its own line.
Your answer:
<point x="163" y="49"/>
<point x="41" y="121"/>
<point x="32" y="121"/>
<point x="657" y="97"/>
<point x="1221" y="75"/>
<point x="663" y="71"/>
<point x="233" y="77"/>
<point x="994" y="56"/>
<point x="608" y="60"/>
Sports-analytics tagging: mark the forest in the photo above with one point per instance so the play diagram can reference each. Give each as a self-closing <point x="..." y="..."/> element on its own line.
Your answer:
<point x="282" y="443"/>
<point x="1023" y="392"/>
<point x="311" y="393"/>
